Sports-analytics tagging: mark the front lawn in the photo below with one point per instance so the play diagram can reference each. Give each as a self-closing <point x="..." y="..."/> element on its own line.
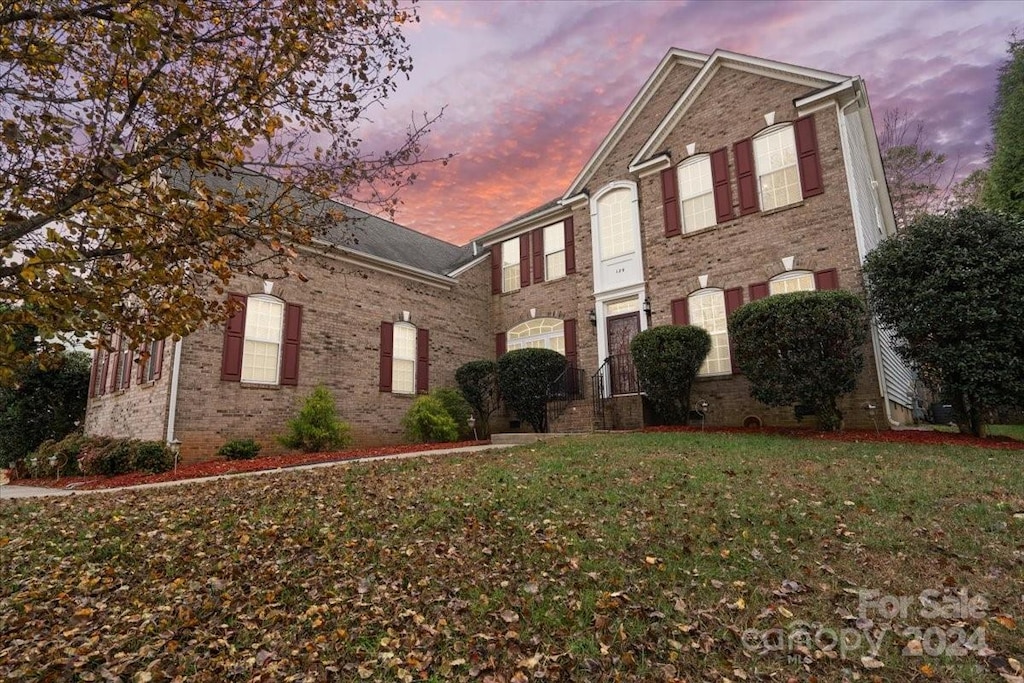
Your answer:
<point x="634" y="557"/>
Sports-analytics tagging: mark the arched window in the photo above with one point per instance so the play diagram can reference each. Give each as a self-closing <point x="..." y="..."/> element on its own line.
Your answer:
<point x="403" y="363"/>
<point x="778" y="178"/>
<point x="793" y="281"/>
<point x="696" y="193"/>
<point x="264" y="327"/>
<point x="539" y="333"/>
<point x="615" y="223"/>
<point x="707" y="310"/>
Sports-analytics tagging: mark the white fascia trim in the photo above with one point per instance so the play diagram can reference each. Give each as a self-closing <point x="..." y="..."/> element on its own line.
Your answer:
<point x="574" y="200"/>
<point x="875" y="154"/>
<point x="828" y="93"/>
<point x="383" y="265"/>
<point x="525" y="224"/>
<point x="658" y="163"/>
<point x="463" y="268"/>
<point x="756" y="65"/>
<point x="648" y="89"/>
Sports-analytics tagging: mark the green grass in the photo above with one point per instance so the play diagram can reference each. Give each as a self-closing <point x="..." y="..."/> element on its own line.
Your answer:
<point x="635" y="557"/>
<point x="1012" y="431"/>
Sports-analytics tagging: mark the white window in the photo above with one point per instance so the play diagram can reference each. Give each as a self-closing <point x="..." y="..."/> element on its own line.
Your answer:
<point x="539" y="333"/>
<point x="793" y="281"/>
<point x="554" y="251"/>
<point x="403" y="363"/>
<point x="707" y="310"/>
<point x="696" y="193"/>
<point x="510" y="265"/>
<point x="778" y="180"/>
<point x="264" y="326"/>
<point x="615" y="218"/>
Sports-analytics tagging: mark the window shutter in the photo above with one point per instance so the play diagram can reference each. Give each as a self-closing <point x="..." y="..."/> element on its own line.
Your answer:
<point x="722" y="186"/>
<point x="126" y="375"/>
<point x="234" y="341"/>
<point x="826" y="279"/>
<point x="538" y="255"/>
<point x="524" y="260"/>
<point x="746" y="180"/>
<point x="387" y="341"/>
<point x="112" y="359"/>
<point x="569" y="327"/>
<point x="570" y="246"/>
<point x="158" y="367"/>
<point x="496" y="269"/>
<point x="758" y="290"/>
<point x="733" y="300"/>
<point x="93" y="372"/>
<point x="670" y="202"/>
<point x="807" y="156"/>
<point x="101" y="378"/>
<point x="422" y="361"/>
<point x="499" y="345"/>
<point x="680" y="312"/>
<point x="292" y="342"/>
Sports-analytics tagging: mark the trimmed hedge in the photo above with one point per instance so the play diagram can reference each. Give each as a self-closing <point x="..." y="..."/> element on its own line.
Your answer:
<point x="478" y="382"/>
<point x="523" y="378"/>
<point x="428" y="421"/>
<point x="79" y="454"/>
<point x="667" y="359"/>
<point x="240" y="449"/>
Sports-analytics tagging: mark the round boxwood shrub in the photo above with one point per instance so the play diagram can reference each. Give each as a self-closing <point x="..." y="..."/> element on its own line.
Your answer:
<point x="523" y="378"/>
<point x="428" y="421"/>
<point x="667" y="359"/>
<point x="240" y="449"/>
<point x="153" y="456"/>
<point x="804" y="348"/>
<point x="317" y="427"/>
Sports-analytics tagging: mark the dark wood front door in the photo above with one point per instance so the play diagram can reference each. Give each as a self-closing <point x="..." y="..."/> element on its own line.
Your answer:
<point x="621" y="330"/>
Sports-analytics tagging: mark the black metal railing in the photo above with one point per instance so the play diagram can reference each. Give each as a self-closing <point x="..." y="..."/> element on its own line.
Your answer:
<point x="567" y="387"/>
<point x="622" y="375"/>
<point x="598" y="393"/>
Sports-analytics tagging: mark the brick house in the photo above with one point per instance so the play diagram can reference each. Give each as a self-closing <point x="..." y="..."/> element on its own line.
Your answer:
<point x="728" y="178"/>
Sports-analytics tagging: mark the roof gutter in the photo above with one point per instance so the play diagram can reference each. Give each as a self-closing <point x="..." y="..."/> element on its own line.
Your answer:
<point x="339" y="253"/>
<point x="503" y="232"/>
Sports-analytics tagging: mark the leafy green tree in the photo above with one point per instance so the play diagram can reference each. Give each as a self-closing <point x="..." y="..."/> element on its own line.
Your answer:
<point x="1005" y="188"/>
<point x="42" y="403"/>
<point x="951" y="288"/>
<point x="524" y="376"/>
<point x="104" y="101"/>
<point x="802" y="348"/>
<point x="478" y="382"/>
<point x="317" y="427"/>
<point x="667" y="359"/>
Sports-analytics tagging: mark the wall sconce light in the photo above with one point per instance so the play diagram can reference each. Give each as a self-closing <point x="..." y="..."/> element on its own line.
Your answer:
<point x="593" y="317"/>
<point x="647" y="308"/>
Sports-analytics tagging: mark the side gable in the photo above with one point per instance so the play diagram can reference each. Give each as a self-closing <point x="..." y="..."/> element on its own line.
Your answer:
<point x="812" y="79"/>
<point x="677" y="67"/>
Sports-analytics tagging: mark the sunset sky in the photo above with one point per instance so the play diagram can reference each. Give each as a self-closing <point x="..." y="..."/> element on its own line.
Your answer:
<point x="531" y="88"/>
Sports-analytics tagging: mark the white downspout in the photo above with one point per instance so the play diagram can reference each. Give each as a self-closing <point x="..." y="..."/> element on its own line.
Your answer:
<point x="172" y="408"/>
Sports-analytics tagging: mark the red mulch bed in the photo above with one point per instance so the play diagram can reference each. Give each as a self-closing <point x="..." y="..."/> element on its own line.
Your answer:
<point x="216" y="467"/>
<point x="893" y="436"/>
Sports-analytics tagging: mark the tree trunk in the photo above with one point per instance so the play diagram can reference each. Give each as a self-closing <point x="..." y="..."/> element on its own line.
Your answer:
<point x="830" y="418"/>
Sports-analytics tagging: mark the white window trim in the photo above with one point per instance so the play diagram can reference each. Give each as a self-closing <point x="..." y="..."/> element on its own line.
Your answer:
<point x="395" y="357"/>
<point x="768" y="132"/>
<point x="792" y="275"/>
<point x="149" y="372"/>
<point x="707" y="291"/>
<point x="280" y="342"/>
<point x="634" y="219"/>
<point x="555" y="227"/>
<point x="516" y="286"/>
<point x="547" y="337"/>
<point x="701" y="159"/>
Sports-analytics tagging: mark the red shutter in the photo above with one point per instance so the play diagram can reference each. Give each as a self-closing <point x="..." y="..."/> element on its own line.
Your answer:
<point x="758" y="290"/>
<point x="670" y="202"/>
<point x="524" y="260"/>
<point x="680" y="312"/>
<point x="571" y="356"/>
<point x="292" y="341"/>
<point x="422" y="361"/>
<point x="746" y="180"/>
<point x="92" y="373"/>
<point x="826" y="279"/>
<point x="387" y="341"/>
<point x="102" y="358"/>
<point x="721" y="184"/>
<point x="496" y="269"/>
<point x="158" y="367"/>
<point x="538" y="255"/>
<point x="807" y="156"/>
<point x="234" y="342"/>
<point x="126" y="374"/>
<point x="112" y="359"/>
<point x="570" y="247"/>
<point x="499" y="345"/>
<point x="733" y="300"/>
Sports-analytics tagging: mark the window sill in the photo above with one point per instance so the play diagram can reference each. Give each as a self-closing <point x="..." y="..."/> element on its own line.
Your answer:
<point x="709" y="378"/>
<point x="779" y="209"/>
<point x="259" y="385"/>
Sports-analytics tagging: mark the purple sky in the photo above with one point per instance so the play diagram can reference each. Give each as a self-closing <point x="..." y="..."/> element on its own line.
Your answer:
<point x="530" y="89"/>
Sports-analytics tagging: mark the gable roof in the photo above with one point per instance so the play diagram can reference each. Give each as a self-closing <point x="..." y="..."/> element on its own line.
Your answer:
<point x="812" y="78"/>
<point x="358" y="231"/>
<point x="646" y="92"/>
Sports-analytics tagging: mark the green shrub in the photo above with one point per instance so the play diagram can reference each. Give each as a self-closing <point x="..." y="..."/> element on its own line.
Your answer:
<point x="117" y="458"/>
<point x="317" y="427"/>
<point x="801" y="348"/>
<point x="153" y="456"/>
<point x="667" y="359"/>
<point x="66" y="451"/>
<point x="240" y="449"/>
<point x="478" y="382"/>
<point x="457" y="408"/>
<point x="427" y="420"/>
<point x="523" y="378"/>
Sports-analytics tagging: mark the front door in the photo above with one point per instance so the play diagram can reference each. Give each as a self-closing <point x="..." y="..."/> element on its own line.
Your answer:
<point x="621" y="330"/>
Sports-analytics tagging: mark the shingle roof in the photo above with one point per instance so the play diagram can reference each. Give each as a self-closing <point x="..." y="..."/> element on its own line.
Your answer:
<point x="358" y="231"/>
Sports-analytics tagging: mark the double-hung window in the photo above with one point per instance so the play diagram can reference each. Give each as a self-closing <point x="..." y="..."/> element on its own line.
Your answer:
<point x="707" y="311"/>
<point x="778" y="178"/>
<point x="696" y="193"/>
<point x="264" y="327"/>
<point x="793" y="281"/>
<point x="403" y="364"/>
<point x="554" y="251"/>
<point x="510" y="265"/>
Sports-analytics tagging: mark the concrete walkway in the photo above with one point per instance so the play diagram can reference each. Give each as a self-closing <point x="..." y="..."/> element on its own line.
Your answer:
<point x="10" y="492"/>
